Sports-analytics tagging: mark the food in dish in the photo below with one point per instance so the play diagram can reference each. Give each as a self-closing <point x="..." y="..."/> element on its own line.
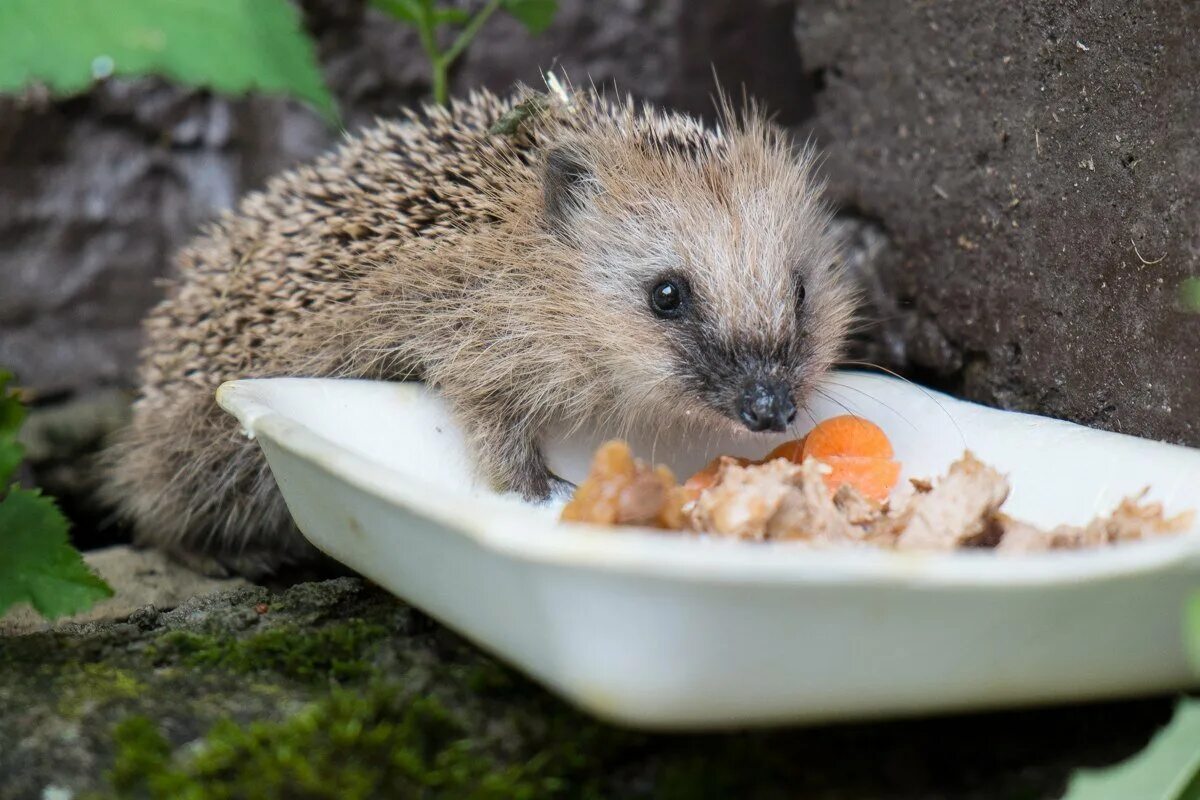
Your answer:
<point x="835" y="486"/>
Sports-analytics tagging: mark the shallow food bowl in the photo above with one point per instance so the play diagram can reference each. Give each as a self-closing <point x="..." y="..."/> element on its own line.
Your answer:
<point x="669" y="631"/>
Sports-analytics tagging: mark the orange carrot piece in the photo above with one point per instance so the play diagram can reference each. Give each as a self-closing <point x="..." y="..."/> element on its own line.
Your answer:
<point x="872" y="477"/>
<point x="792" y="450"/>
<point x="857" y="451"/>
<point x="847" y="436"/>
<point x="707" y="477"/>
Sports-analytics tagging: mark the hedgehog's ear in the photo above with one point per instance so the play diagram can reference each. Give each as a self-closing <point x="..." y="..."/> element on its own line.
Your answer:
<point x="569" y="183"/>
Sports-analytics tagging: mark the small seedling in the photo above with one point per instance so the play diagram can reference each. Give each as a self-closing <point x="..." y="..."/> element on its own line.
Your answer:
<point x="429" y="18"/>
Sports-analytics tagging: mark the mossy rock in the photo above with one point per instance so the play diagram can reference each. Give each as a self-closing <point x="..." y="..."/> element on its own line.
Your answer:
<point x="337" y="690"/>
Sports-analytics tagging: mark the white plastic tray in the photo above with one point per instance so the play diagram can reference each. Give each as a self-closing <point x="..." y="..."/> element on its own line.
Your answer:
<point x="666" y="631"/>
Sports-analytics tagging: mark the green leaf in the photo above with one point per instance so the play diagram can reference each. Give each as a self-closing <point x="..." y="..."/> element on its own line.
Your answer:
<point x="404" y="10"/>
<point x="11" y="454"/>
<point x="1189" y="295"/>
<point x="452" y="16"/>
<point x="1191" y="631"/>
<point x="12" y="413"/>
<point x="535" y="15"/>
<point x="232" y="46"/>
<point x="1168" y="769"/>
<point x="37" y="563"/>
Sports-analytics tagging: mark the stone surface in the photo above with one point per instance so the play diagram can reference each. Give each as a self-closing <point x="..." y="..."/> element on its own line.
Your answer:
<point x="245" y="693"/>
<point x="61" y="441"/>
<point x="97" y="192"/>
<point x="1035" y="170"/>
<point x="141" y="580"/>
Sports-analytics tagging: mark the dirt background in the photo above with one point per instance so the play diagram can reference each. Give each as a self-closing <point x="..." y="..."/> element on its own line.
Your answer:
<point x="1035" y="169"/>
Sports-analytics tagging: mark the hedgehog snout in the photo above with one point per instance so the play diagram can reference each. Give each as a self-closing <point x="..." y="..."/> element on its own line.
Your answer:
<point x="766" y="405"/>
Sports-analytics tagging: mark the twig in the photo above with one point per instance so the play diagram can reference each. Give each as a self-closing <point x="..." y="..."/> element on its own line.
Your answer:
<point x="1144" y="261"/>
<point x="468" y="33"/>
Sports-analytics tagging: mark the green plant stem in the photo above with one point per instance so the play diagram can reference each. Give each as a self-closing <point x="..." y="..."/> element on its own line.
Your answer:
<point x="440" y="60"/>
<point x="468" y="32"/>
<point x="425" y="27"/>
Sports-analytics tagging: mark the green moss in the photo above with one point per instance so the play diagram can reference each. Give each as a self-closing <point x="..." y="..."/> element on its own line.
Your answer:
<point x="92" y="685"/>
<point x="340" y="652"/>
<point x="348" y="745"/>
<point x="491" y="678"/>
<point x="142" y="752"/>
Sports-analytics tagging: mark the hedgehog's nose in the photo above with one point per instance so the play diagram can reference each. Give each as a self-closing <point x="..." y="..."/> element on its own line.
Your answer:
<point x="766" y="406"/>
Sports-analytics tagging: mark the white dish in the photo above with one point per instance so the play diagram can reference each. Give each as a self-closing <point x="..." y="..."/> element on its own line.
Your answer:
<point x="666" y="631"/>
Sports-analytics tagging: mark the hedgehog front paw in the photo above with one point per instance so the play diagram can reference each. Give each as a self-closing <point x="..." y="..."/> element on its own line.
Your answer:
<point x="511" y="460"/>
<point x="561" y="490"/>
<point x="544" y="487"/>
<point x="537" y="484"/>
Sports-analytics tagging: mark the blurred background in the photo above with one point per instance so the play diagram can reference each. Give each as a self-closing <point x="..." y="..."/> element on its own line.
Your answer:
<point x="1018" y="183"/>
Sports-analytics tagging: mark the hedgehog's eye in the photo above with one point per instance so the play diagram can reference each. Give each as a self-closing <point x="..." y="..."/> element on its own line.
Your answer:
<point x="669" y="298"/>
<point x="799" y="294"/>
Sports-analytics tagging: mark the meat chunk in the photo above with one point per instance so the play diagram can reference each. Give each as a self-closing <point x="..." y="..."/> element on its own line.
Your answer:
<point x="857" y="509"/>
<point x="622" y="490"/>
<point x="776" y="500"/>
<point x="959" y="511"/>
<point x="1132" y="520"/>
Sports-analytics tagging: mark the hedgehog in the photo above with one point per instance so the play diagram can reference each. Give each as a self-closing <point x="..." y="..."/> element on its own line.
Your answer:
<point x="539" y="258"/>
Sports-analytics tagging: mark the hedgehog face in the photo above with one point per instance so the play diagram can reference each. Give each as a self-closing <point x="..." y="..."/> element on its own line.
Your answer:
<point x="715" y="273"/>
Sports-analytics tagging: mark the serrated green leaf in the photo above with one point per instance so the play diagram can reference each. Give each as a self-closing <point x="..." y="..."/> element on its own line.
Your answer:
<point x="232" y="46"/>
<point x="535" y="15"/>
<point x="1168" y="769"/>
<point x="404" y="10"/>
<point x="11" y="454"/>
<point x="12" y="413"/>
<point x="38" y="565"/>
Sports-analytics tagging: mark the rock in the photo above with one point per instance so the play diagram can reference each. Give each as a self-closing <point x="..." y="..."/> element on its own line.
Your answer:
<point x="61" y="441"/>
<point x="65" y="431"/>
<point x="143" y="581"/>
<point x="1033" y="168"/>
<point x="95" y="194"/>
<point x="665" y="51"/>
<point x="243" y="693"/>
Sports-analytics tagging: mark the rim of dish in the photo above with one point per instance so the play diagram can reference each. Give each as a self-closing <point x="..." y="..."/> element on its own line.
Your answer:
<point x="525" y="534"/>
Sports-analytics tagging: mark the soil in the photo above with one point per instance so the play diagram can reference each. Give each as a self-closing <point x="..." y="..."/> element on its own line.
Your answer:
<point x="1034" y="169"/>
